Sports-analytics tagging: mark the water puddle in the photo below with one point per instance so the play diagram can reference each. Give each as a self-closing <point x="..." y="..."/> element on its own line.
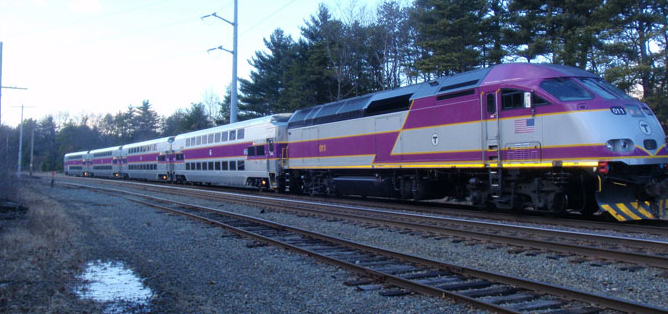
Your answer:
<point x="114" y="284"/>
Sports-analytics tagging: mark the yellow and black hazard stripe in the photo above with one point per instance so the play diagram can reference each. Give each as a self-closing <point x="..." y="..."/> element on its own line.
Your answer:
<point x="636" y="210"/>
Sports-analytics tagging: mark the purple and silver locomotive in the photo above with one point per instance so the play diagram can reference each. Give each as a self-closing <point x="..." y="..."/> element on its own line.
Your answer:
<point x="514" y="136"/>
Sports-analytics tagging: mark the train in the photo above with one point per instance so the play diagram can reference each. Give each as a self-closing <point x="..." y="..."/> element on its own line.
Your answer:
<point x="545" y="138"/>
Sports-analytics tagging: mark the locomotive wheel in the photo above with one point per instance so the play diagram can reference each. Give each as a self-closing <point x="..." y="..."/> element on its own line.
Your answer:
<point x="559" y="204"/>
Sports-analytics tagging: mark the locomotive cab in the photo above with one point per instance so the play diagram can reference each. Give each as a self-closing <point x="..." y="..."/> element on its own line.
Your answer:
<point x="593" y="135"/>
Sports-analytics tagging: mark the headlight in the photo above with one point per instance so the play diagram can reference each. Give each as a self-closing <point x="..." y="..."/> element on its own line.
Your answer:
<point x="620" y="145"/>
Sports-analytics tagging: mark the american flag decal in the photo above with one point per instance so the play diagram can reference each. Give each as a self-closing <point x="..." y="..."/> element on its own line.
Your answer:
<point x="525" y="126"/>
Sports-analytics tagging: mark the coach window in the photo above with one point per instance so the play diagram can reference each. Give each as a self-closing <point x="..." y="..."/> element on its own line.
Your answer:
<point x="210" y="165"/>
<point x="240" y="165"/>
<point x="233" y="135"/>
<point x="204" y="139"/>
<point x="204" y="164"/>
<point x="199" y="140"/>
<point x="270" y="142"/>
<point x="210" y="138"/>
<point x="251" y="151"/>
<point x="217" y="137"/>
<point x="224" y="164"/>
<point x="240" y="134"/>
<point x="223" y="137"/>
<point x="491" y="105"/>
<point x="259" y="150"/>
<point x="187" y="142"/>
<point x="233" y="165"/>
<point x="217" y="165"/>
<point x="187" y="166"/>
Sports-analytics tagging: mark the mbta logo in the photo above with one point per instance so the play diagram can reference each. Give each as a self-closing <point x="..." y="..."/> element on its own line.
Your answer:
<point x="434" y="139"/>
<point x="644" y="127"/>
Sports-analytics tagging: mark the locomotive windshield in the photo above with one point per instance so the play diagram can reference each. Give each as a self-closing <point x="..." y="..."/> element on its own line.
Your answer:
<point x="565" y="89"/>
<point x="594" y="86"/>
<point x="611" y="88"/>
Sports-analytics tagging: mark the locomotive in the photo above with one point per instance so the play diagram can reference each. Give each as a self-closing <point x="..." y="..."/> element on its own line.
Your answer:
<point x="537" y="137"/>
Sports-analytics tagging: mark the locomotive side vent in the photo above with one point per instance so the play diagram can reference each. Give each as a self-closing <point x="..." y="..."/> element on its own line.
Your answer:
<point x="458" y="85"/>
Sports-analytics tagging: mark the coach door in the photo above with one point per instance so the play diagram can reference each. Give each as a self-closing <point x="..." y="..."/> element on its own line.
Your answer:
<point x="270" y="155"/>
<point x="489" y="114"/>
<point x="171" y="159"/>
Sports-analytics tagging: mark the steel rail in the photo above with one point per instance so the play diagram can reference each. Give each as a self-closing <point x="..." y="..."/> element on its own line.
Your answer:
<point x="430" y="208"/>
<point x="400" y="221"/>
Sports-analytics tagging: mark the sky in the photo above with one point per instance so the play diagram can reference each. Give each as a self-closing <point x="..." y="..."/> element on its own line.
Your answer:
<point x="100" y="56"/>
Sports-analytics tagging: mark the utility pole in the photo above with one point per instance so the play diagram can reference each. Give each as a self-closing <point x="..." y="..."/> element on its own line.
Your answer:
<point x="1" y="87"/>
<point x="234" y="52"/>
<point x="18" y="172"/>
<point x="32" y="146"/>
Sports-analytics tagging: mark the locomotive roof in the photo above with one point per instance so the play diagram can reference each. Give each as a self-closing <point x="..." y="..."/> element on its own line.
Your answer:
<point x="400" y="99"/>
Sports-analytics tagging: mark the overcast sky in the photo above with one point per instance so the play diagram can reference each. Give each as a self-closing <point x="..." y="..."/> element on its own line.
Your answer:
<point x="99" y="56"/>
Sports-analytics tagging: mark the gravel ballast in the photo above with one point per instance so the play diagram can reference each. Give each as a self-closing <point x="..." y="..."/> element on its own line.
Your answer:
<point x="644" y="285"/>
<point x="194" y="267"/>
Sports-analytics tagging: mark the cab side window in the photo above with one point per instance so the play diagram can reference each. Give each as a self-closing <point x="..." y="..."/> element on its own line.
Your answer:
<point x="512" y="99"/>
<point x="491" y="105"/>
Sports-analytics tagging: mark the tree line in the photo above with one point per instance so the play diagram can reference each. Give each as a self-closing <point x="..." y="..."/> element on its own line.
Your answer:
<point x="624" y="41"/>
<point x="364" y="50"/>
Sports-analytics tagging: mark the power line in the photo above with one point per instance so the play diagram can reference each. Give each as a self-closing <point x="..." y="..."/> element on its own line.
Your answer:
<point x="134" y="32"/>
<point x="263" y="20"/>
<point x="84" y="20"/>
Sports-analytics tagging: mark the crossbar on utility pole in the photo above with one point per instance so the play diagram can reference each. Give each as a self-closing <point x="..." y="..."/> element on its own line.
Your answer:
<point x="235" y="53"/>
<point x="7" y="87"/>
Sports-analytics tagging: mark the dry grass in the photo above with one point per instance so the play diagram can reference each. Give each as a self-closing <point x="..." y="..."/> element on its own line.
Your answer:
<point x="7" y="184"/>
<point x="39" y="258"/>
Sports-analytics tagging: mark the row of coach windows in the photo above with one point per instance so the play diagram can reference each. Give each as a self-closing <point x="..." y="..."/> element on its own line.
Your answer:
<point x="75" y="168"/>
<point x="102" y="154"/>
<point x="144" y="148"/>
<point x="217" y="165"/>
<point x="256" y="150"/>
<point x="75" y="157"/>
<point x="164" y="157"/>
<point x="143" y="167"/>
<point x="102" y="167"/>
<point x="216" y="138"/>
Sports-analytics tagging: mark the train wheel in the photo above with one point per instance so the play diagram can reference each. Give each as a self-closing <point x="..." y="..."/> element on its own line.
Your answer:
<point x="559" y="204"/>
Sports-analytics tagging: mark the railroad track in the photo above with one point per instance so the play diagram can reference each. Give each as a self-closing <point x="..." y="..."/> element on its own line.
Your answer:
<point x="643" y="252"/>
<point x="658" y="228"/>
<point x="395" y="273"/>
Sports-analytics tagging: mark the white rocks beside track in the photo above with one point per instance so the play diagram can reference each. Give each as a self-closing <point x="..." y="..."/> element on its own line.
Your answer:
<point x="196" y="268"/>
